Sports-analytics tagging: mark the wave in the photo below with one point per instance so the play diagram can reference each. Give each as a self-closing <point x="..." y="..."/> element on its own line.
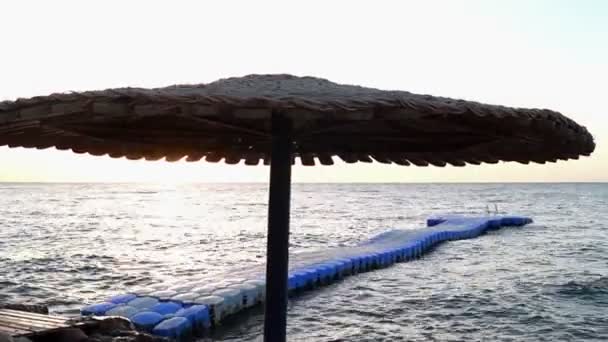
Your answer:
<point x="591" y="289"/>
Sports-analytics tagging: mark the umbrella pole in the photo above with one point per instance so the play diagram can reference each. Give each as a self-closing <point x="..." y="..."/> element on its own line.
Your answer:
<point x="277" y="255"/>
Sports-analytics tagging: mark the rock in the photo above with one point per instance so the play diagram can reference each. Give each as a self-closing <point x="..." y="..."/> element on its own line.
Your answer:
<point x="118" y="329"/>
<point x="64" y="335"/>
<point x="111" y="325"/>
<point x="5" y="337"/>
<point x="127" y="337"/>
<point x="149" y="338"/>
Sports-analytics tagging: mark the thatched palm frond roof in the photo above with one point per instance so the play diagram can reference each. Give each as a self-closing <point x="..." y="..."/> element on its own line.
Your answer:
<point x="230" y="119"/>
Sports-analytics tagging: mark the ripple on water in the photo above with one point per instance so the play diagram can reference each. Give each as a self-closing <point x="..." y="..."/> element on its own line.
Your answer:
<point x="65" y="245"/>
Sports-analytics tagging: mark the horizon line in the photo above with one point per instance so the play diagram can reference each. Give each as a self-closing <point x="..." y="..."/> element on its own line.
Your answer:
<point x="305" y="182"/>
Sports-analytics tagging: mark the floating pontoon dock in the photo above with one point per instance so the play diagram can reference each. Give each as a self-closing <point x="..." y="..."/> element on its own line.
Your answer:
<point x="196" y="305"/>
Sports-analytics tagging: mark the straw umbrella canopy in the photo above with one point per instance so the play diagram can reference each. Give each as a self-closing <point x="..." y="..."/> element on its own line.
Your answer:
<point x="279" y="118"/>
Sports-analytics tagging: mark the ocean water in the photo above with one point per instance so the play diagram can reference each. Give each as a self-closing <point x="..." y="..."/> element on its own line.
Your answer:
<point x="68" y="244"/>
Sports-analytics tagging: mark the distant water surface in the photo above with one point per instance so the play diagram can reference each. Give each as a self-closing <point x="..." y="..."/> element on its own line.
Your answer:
<point x="68" y="244"/>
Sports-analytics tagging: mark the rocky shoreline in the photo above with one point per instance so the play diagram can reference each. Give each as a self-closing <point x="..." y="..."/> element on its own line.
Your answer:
<point x="108" y="329"/>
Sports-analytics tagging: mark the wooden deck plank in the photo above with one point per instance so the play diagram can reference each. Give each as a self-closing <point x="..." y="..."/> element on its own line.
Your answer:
<point x="21" y="323"/>
<point x="32" y="319"/>
<point x="29" y="324"/>
<point x="12" y="329"/>
<point x="41" y="317"/>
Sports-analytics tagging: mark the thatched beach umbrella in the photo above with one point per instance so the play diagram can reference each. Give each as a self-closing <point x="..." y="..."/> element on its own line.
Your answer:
<point x="278" y="118"/>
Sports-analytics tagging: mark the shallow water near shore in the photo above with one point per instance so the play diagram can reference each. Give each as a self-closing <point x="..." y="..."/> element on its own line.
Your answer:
<point x="68" y="244"/>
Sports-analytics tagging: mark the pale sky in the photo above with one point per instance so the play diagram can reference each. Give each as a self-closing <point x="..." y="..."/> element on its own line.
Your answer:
<point x="551" y="54"/>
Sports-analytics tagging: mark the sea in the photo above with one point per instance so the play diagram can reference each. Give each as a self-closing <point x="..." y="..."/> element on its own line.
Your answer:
<point x="64" y="245"/>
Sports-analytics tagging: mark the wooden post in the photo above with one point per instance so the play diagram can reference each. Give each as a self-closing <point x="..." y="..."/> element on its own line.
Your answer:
<point x="277" y="255"/>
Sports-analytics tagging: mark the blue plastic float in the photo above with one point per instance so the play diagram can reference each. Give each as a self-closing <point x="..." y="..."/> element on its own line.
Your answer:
<point x="198" y="304"/>
<point x="176" y="328"/>
<point x="147" y="320"/>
